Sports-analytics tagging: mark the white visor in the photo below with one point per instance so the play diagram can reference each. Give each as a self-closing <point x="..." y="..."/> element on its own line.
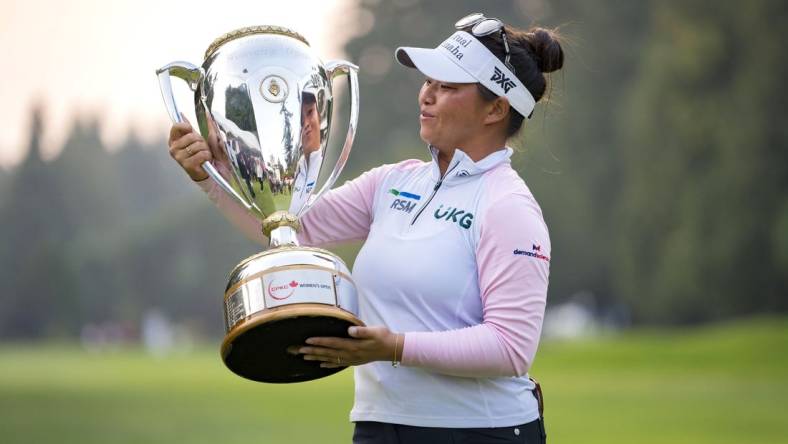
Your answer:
<point x="463" y="59"/>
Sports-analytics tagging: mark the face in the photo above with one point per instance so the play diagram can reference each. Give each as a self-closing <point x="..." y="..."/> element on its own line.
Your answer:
<point x="310" y="129"/>
<point x="450" y="113"/>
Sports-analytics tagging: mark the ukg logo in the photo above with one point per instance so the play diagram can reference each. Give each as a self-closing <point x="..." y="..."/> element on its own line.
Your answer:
<point x="461" y="217"/>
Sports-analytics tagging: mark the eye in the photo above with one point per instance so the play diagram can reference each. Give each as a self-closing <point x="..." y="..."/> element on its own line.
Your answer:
<point x="444" y="86"/>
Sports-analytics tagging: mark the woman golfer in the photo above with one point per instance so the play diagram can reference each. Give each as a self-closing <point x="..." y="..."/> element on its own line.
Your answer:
<point x="452" y="277"/>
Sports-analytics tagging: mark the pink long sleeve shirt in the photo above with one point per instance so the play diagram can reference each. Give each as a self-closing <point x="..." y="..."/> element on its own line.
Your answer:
<point x="458" y="263"/>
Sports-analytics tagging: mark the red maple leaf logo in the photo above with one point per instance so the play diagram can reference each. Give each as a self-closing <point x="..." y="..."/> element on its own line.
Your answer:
<point x="294" y="284"/>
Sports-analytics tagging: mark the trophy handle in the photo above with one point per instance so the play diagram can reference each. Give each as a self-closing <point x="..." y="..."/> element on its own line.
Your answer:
<point x="192" y="75"/>
<point x="337" y="68"/>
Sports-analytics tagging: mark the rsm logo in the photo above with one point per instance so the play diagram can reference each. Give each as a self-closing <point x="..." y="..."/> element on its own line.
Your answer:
<point x="462" y="218"/>
<point x="403" y="205"/>
<point x="405" y="201"/>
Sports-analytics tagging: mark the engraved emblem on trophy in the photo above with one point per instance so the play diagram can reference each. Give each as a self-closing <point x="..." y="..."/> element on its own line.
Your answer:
<point x="269" y="99"/>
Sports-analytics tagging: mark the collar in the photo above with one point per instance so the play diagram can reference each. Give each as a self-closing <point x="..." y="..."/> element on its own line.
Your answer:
<point x="462" y="168"/>
<point x="314" y="157"/>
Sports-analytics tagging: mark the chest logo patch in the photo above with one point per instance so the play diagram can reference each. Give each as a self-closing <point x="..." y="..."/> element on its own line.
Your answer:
<point x="403" y="205"/>
<point x="405" y="201"/>
<point x="404" y="194"/>
<point x="456" y="215"/>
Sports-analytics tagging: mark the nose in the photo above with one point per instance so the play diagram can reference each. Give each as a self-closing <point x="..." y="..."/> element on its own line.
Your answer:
<point x="427" y="93"/>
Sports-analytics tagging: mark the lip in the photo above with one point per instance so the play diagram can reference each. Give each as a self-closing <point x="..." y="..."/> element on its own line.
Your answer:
<point x="426" y="116"/>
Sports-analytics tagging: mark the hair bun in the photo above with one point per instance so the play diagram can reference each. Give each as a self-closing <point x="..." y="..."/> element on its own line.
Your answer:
<point x="546" y="49"/>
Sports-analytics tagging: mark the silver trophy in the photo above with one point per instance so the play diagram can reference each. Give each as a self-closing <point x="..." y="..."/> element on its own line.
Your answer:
<point x="266" y="99"/>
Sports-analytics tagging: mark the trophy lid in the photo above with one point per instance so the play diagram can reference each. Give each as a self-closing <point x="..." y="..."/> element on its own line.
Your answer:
<point x="250" y="30"/>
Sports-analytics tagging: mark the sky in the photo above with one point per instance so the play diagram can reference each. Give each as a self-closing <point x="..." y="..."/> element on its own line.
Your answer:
<point x="97" y="58"/>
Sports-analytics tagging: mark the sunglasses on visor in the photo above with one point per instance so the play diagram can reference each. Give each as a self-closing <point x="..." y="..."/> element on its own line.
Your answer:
<point x="483" y="26"/>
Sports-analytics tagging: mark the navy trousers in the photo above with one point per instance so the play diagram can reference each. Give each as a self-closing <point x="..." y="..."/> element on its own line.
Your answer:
<point x="384" y="433"/>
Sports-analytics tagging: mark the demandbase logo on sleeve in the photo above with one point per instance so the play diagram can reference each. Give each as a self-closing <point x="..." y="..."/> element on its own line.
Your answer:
<point x="536" y="252"/>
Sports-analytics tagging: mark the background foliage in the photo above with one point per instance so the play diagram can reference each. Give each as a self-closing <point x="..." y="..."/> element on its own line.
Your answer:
<point x="660" y="162"/>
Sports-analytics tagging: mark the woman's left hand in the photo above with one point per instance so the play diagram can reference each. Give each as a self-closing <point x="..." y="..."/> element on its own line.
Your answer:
<point x="366" y="344"/>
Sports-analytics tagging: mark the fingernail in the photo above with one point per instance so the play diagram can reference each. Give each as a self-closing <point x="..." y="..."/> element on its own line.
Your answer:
<point x="309" y="341"/>
<point x="352" y="330"/>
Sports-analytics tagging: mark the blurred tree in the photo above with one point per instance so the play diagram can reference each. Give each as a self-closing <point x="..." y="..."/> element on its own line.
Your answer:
<point x="34" y="274"/>
<point x="94" y="236"/>
<point x="5" y="178"/>
<point x="568" y="153"/>
<point x="703" y="210"/>
<point x="660" y="163"/>
<point x="572" y="158"/>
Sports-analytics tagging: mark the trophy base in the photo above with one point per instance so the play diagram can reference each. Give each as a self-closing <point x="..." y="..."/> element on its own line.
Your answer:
<point x="278" y="299"/>
<point x="257" y="348"/>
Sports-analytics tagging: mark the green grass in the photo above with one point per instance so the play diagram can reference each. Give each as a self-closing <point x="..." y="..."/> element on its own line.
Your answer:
<point x="719" y="384"/>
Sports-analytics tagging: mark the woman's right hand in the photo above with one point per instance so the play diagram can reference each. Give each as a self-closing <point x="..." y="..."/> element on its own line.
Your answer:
<point x="189" y="149"/>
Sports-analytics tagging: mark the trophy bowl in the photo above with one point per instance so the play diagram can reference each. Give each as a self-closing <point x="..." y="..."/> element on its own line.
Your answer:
<point x="266" y="100"/>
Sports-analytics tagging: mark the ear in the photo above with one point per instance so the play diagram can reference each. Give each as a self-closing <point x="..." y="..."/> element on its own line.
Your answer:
<point x="497" y="111"/>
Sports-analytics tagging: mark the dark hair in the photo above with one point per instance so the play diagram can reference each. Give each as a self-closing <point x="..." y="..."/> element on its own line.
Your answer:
<point x="533" y="53"/>
<point x="307" y="98"/>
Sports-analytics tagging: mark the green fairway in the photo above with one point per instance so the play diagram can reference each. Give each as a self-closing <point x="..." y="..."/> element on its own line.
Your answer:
<point x="721" y="384"/>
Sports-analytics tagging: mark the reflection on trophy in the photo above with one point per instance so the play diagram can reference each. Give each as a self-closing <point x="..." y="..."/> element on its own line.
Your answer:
<point x="269" y="100"/>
